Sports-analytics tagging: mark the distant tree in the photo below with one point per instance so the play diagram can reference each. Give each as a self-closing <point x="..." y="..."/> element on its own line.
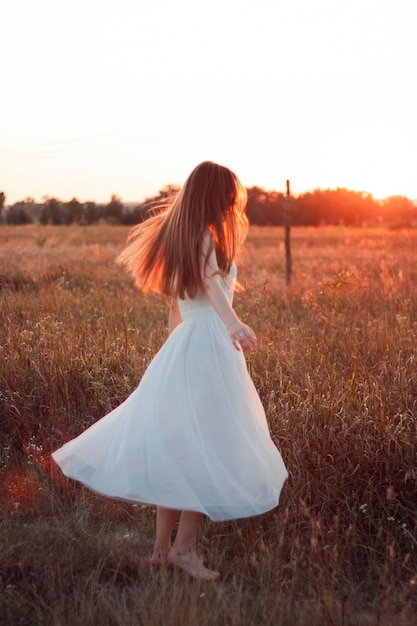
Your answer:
<point x="136" y="215"/>
<point x="398" y="209"/>
<point x="18" y="214"/>
<point x="166" y="194"/>
<point x="164" y="197"/>
<point x="113" y="211"/>
<point x="52" y="212"/>
<point x="29" y="206"/>
<point x="333" y="206"/>
<point x="306" y="209"/>
<point x="72" y="211"/>
<point x="264" y="208"/>
<point x="142" y="211"/>
<point x="92" y="213"/>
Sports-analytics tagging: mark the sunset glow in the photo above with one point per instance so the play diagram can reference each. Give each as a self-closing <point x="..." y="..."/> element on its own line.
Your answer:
<point x="102" y="97"/>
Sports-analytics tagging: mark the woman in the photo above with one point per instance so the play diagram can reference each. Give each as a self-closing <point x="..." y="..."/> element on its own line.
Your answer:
<point x="193" y="435"/>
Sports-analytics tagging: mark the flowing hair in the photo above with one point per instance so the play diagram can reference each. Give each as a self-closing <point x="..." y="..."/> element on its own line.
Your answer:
<point x="165" y="253"/>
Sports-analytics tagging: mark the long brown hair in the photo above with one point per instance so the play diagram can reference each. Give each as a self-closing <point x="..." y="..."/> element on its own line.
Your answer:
<point x="164" y="253"/>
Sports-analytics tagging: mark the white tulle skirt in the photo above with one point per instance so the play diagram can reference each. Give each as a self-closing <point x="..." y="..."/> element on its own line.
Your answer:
<point x="192" y="436"/>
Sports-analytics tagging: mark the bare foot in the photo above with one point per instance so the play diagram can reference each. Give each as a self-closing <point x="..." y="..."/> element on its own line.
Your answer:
<point x="189" y="563"/>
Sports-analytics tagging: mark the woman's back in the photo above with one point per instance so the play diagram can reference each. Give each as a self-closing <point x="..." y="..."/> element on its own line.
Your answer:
<point x="201" y="303"/>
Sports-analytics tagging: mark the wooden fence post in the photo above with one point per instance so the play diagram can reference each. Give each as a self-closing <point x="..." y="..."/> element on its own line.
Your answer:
<point x="287" y="227"/>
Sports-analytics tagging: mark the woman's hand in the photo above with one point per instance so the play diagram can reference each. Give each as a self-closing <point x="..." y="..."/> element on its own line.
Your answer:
<point x="242" y="336"/>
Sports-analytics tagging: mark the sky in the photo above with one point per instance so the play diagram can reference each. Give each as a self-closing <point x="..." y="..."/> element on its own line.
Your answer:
<point x="125" y="97"/>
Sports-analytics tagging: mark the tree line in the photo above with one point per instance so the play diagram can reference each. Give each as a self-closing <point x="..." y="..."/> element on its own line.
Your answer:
<point x="264" y="208"/>
<point x="330" y="206"/>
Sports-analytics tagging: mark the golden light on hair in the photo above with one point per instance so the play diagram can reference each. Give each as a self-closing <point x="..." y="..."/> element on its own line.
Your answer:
<point x="164" y="253"/>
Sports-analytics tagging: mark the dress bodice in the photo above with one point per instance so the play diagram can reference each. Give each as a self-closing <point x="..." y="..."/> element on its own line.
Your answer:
<point x="190" y="307"/>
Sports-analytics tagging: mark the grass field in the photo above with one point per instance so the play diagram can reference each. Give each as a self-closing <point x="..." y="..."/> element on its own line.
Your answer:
<point x="336" y="371"/>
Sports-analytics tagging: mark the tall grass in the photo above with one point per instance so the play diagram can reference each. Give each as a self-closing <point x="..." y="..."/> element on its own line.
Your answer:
<point x="336" y="370"/>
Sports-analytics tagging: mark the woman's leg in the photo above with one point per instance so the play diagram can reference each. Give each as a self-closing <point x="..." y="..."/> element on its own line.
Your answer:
<point x="183" y="552"/>
<point x="186" y="538"/>
<point x="165" y="519"/>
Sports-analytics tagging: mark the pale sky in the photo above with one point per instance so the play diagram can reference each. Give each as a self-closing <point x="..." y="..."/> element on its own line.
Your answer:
<point x="101" y="97"/>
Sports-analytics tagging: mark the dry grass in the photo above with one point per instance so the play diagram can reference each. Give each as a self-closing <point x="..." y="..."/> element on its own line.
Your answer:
<point x="336" y="370"/>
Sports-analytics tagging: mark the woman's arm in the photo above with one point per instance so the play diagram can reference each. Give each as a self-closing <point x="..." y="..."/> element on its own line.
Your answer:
<point x="240" y="334"/>
<point x="174" y="316"/>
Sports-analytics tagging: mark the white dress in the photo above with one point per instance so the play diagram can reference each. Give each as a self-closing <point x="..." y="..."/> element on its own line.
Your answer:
<point x="192" y="436"/>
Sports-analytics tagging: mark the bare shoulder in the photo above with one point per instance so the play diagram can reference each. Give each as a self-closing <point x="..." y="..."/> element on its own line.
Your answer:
<point x="207" y="243"/>
<point x="208" y="251"/>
